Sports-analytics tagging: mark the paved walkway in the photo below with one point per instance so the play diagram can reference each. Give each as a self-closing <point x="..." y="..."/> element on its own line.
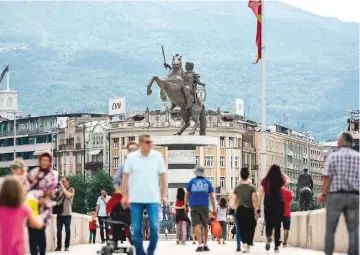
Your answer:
<point x="170" y="248"/>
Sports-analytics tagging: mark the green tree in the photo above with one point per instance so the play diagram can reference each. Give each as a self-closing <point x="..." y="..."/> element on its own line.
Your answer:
<point x="96" y="182"/>
<point x="80" y="185"/>
<point x="4" y="171"/>
<point x="295" y="207"/>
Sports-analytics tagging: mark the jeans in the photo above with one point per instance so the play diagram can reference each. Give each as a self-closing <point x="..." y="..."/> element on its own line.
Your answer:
<point x="37" y="241"/>
<point x="103" y="226"/>
<point x="348" y="204"/>
<point x="238" y="234"/>
<point x="137" y="211"/>
<point x="92" y="236"/>
<point x="60" y="221"/>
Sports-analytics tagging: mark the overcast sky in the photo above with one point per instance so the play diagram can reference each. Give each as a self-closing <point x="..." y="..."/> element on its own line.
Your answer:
<point x="344" y="10"/>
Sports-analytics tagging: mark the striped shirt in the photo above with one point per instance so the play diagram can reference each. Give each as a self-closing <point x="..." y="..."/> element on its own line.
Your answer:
<point x="342" y="167"/>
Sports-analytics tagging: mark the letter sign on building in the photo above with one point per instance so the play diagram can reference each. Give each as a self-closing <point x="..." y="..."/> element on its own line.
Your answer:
<point x="117" y="105"/>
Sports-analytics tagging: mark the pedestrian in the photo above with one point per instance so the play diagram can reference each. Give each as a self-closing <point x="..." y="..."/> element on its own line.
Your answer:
<point x="233" y="205"/>
<point x="287" y="196"/>
<point x="221" y="216"/>
<point x="92" y="228"/>
<point x="246" y="199"/>
<point x="101" y="214"/>
<point x="143" y="170"/>
<point x="340" y="190"/>
<point x="181" y="216"/>
<point x="146" y="226"/>
<point x="64" y="197"/>
<point x="130" y="147"/>
<point x="198" y="191"/>
<point x="42" y="183"/>
<point x="271" y="189"/>
<point x="19" y="171"/>
<point x="13" y="214"/>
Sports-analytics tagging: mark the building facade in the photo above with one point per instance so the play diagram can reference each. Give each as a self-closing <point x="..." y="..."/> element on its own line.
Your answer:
<point x="293" y="151"/>
<point x="222" y="162"/>
<point x="83" y="144"/>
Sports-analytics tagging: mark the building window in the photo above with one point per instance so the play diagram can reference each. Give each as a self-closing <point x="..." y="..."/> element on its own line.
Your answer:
<point x="236" y="161"/>
<point x="231" y="182"/>
<point x="116" y="143"/>
<point x="222" y="182"/>
<point x="231" y="142"/>
<point x="196" y="160"/>
<point x="116" y="162"/>
<point x="222" y="162"/>
<point x="131" y="138"/>
<point x="236" y="181"/>
<point x="222" y="141"/>
<point x="209" y="161"/>
<point x="78" y="158"/>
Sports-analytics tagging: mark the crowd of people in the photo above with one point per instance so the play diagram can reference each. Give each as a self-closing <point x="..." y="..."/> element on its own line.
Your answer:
<point x="33" y="196"/>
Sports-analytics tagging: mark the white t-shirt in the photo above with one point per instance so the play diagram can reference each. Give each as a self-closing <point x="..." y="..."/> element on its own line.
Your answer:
<point x="144" y="172"/>
<point x="221" y="214"/>
<point x="102" y="206"/>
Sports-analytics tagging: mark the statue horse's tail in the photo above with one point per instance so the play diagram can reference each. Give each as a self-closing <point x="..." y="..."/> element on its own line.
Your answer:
<point x="202" y="119"/>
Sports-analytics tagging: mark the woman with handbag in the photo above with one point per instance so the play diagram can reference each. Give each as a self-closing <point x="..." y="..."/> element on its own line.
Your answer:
<point x="63" y="209"/>
<point x="42" y="182"/>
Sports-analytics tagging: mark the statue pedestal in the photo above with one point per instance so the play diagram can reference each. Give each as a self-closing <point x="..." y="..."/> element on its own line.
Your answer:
<point x="180" y="158"/>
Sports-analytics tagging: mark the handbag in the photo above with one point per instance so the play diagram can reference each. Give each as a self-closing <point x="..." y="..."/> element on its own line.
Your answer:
<point x="59" y="207"/>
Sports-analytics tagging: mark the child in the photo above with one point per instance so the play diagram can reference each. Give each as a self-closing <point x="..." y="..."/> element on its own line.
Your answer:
<point x="92" y="227"/>
<point x="221" y="216"/>
<point x="181" y="217"/>
<point x="19" y="172"/>
<point x="14" y="212"/>
<point x="287" y="197"/>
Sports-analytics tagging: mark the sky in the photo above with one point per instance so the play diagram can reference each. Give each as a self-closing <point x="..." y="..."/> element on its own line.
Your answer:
<point x="344" y="10"/>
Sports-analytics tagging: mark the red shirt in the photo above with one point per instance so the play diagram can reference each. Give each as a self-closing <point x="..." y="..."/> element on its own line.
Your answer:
<point x="92" y="225"/>
<point x="287" y="196"/>
<point x="179" y="203"/>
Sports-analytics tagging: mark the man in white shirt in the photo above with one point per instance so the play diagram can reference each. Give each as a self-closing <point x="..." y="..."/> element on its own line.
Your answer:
<point x="142" y="171"/>
<point x="101" y="213"/>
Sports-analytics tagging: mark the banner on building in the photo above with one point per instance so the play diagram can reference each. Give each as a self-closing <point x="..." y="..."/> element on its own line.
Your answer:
<point x="117" y="105"/>
<point x="239" y="107"/>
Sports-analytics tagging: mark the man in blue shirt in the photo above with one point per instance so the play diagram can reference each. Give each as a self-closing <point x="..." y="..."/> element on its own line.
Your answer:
<point x="130" y="147"/>
<point x="142" y="171"/>
<point x="197" y="195"/>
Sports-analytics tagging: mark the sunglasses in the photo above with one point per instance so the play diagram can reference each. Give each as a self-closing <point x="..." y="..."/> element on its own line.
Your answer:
<point x="148" y="142"/>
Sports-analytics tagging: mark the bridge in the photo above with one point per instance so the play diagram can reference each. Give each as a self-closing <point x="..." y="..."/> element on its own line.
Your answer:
<point x="306" y="237"/>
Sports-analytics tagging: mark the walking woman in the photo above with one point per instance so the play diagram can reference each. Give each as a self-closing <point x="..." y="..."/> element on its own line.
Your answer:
<point x="221" y="216"/>
<point x="270" y="189"/>
<point x="181" y="216"/>
<point x="246" y="197"/>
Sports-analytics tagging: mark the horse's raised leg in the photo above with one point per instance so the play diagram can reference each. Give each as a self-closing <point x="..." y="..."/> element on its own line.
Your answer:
<point x="159" y="82"/>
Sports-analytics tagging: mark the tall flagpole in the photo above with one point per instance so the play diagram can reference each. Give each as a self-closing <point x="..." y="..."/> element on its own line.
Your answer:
<point x="263" y="99"/>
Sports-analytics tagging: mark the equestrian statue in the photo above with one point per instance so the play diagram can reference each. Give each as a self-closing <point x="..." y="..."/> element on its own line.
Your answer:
<point x="180" y="87"/>
<point x="304" y="191"/>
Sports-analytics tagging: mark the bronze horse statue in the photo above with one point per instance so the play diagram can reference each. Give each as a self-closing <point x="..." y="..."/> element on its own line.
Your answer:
<point x="173" y="86"/>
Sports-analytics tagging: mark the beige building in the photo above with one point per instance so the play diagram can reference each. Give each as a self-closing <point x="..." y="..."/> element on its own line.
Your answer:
<point x="83" y="145"/>
<point x="291" y="150"/>
<point x="222" y="162"/>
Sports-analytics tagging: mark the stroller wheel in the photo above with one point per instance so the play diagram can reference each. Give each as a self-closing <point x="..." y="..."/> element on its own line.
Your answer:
<point x="131" y="251"/>
<point x="106" y="250"/>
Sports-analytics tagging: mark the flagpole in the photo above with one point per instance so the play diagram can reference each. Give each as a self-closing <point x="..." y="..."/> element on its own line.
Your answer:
<point x="263" y="99"/>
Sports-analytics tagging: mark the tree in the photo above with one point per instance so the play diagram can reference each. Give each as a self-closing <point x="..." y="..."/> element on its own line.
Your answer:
<point x="80" y="185"/>
<point x="5" y="171"/>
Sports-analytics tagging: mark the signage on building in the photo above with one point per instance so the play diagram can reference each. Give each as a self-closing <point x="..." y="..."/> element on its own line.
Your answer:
<point x="117" y="105"/>
<point x="181" y="157"/>
<point x="201" y="93"/>
<point x="239" y="107"/>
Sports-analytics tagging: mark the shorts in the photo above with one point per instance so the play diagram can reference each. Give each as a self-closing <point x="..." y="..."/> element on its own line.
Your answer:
<point x="286" y="222"/>
<point x="200" y="215"/>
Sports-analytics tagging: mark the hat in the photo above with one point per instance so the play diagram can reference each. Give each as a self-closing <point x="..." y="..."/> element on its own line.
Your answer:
<point x="199" y="171"/>
<point x="16" y="164"/>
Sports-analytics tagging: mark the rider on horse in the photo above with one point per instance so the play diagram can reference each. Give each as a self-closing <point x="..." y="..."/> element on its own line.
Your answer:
<point x="304" y="180"/>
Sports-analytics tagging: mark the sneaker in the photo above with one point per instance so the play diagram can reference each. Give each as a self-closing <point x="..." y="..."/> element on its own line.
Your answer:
<point x="284" y="245"/>
<point x="66" y="249"/>
<point x="177" y="242"/>
<point x="276" y="250"/>
<point x="199" y="249"/>
<point x="268" y="242"/>
<point x="58" y="249"/>
<point x="194" y="242"/>
<point x="183" y="243"/>
<point x="238" y="249"/>
<point x="206" y="248"/>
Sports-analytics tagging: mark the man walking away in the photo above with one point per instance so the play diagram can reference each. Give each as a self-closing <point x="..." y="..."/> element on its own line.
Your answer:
<point x="287" y="197"/>
<point x="130" y="147"/>
<point x="341" y="190"/>
<point x="143" y="168"/>
<point x="101" y="214"/>
<point x="66" y="195"/>
<point x="197" y="197"/>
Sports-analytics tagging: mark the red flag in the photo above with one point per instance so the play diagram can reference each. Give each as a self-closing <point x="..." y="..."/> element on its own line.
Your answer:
<point x="255" y="6"/>
<point x="4" y="72"/>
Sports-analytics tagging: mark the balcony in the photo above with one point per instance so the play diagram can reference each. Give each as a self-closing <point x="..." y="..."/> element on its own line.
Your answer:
<point x="289" y="152"/>
<point x="78" y="146"/>
<point x="290" y="165"/>
<point x="65" y="147"/>
<point x="94" y="166"/>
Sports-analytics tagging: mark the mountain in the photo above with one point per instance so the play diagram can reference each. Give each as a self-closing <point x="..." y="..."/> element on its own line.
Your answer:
<point x="75" y="55"/>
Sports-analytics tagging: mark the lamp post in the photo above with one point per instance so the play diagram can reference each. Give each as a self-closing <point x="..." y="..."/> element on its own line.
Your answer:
<point x="14" y="131"/>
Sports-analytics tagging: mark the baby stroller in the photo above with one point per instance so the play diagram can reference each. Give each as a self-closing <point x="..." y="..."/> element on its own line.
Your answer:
<point x="118" y="228"/>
